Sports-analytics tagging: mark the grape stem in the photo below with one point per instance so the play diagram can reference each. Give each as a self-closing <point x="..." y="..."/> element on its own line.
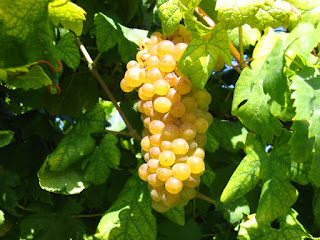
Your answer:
<point x="204" y="197"/>
<point x="211" y="23"/>
<point x="92" y="67"/>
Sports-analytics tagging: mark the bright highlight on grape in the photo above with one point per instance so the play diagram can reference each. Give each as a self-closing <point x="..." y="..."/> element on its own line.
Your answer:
<point x="175" y="119"/>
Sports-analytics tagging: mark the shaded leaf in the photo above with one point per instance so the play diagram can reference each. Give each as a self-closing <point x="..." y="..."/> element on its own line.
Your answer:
<point x="235" y="210"/>
<point x="8" y="195"/>
<point x="176" y="215"/>
<point x="6" y="137"/>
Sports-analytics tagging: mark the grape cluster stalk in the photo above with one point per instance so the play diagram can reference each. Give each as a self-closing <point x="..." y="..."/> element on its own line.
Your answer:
<point x="175" y="117"/>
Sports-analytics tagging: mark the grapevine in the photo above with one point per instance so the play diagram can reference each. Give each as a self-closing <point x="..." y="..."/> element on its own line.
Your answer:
<point x="175" y="118"/>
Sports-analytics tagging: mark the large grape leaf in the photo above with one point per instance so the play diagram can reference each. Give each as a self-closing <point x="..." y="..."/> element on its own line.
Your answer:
<point x="195" y="27"/>
<point x="310" y="10"/>
<point x="247" y="174"/>
<point x="277" y="194"/>
<point x="200" y="57"/>
<point x="300" y="172"/>
<point x="176" y="215"/>
<point x="104" y="157"/>
<point x="170" y="15"/>
<point x="235" y="210"/>
<point x="26" y="35"/>
<point x="34" y="79"/>
<point x="67" y="50"/>
<point x="6" y="137"/>
<point x="78" y="143"/>
<point x="130" y="215"/>
<point x="70" y="15"/>
<point x="249" y="36"/>
<point x="250" y="105"/>
<point x="290" y="229"/>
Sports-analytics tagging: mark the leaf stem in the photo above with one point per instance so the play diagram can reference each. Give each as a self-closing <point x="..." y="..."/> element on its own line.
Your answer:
<point x="211" y="23"/>
<point x="91" y="66"/>
<point x="241" y="48"/>
<point x="206" y="198"/>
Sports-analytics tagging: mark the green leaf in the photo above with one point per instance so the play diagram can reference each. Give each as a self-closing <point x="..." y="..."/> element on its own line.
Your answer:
<point x="212" y="144"/>
<point x="301" y="144"/>
<point x="230" y="135"/>
<point x="107" y="32"/>
<point x="199" y="59"/>
<point x="190" y="5"/>
<point x="6" y="137"/>
<point x="250" y="105"/>
<point x="277" y="194"/>
<point x="36" y="78"/>
<point x="26" y="34"/>
<point x="235" y="210"/>
<point x="130" y="215"/>
<point x="68" y="181"/>
<point x="247" y="174"/>
<point x="208" y="176"/>
<point x="2" y="218"/>
<point x="70" y="15"/>
<point x="300" y="172"/>
<point x="68" y="51"/>
<point x="290" y="229"/>
<point x="249" y="36"/>
<point x="105" y="156"/>
<point x="8" y="195"/>
<point x="78" y="143"/>
<point x="233" y="13"/>
<point x="316" y="208"/>
<point x="310" y="10"/>
<point x="48" y="222"/>
<point x="195" y="27"/>
<point x="170" y="15"/>
<point x="176" y="215"/>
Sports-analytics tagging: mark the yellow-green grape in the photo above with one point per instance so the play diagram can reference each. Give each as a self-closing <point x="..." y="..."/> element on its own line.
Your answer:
<point x="156" y="139"/>
<point x="188" y="117"/>
<point x="140" y="106"/>
<point x="198" y="152"/>
<point x="177" y="109"/>
<point x="180" y="171"/>
<point x="156" y="193"/>
<point x="193" y="181"/>
<point x="144" y="43"/>
<point x="147" y="89"/>
<point x="166" y="145"/>
<point x="193" y="145"/>
<point x="173" y="95"/>
<point x="142" y="96"/>
<point x="195" y="164"/>
<point x="155" y="38"/>
<point x="153" y="165"/>
<point x="125" y="87"/>
<point x="190" y="104"/>
<point x="208" y="98"/>
<point x="152" y="61"/>
<point x="173" y="185"/>
<point x="146" y="156"/>
<point x="156" y="115"/>
<point x="153" y="75"/>
<point x="187" y="131"/>
<point x="156" y="127"/>
<point x="180" y="146"/>
<point x="170" y="199"/>
<point x="162" y="104"/>
<point x="178" y="123"/>
<point x="165" y="47"/>
<point x="170" y="132"/>
<point x="145" y="143"/>
<point x="167" y="63"/>
<point x="201" y="139"/>
<point x="201" y="125"/>
<point x="132" y="63"/>
<point x="208" y="117"/>
<point x="143" y="75"/>
<point x="198" y="113"/>
<point x="178" y="50"/>
<point x="161" y="87"/>
<point x="200" y="96"/>
<point x="154" y="181"/>
<point x="183" y="85"/>
<point x="159" y="206"/>
<point x="143" y="172"/>
<point x="167" y="158"/>
<point x="168" y="118"/>
<point x="170" y="78"/>
<point x="146" y="120"/>
<point x="187" y="193"/>
<point x="147" y="107"/>
<point x="142" y="56"/>
<point x="153" y="50"/>
<point x="183" y="202"/>
<point x="132" y="77"/>
<point x="155" y="152"/>
<point x="164" y="173"/>
<point x="181" y="158"/>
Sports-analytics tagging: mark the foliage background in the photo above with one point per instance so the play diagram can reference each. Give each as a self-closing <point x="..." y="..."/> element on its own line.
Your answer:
<point x="68" y="165"/>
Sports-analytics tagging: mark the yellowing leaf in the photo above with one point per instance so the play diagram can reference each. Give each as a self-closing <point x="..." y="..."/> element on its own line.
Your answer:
<point x="170" y="15"/>
<point x="70" y="15"/>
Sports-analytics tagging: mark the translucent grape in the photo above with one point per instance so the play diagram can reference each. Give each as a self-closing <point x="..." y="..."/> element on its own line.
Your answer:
<point x="153" y="75"/>
<point x="143" y="75"/>
<point x="201" y="125"/>
<point x="154" y="181"/>
<point x="167" y="63"/>
<point x="190" y="104"/>
<point x="162" y="104"/>
<point x="187" y="131"/>
<point x="156" y="193"/>
<point x="148" y="89"/>
<point x="208" y="117"/>
<point x="140" y="106"/>
<point x="168" y="118"/>
<point x="145" y="143"/>
<point x="142" y="96"/>
<point x="173" y="185"/>
<point x="200" y="96"/>
<point x="170" y="132"/>
<point x="170" y="199"/>
<point x="143" y="172"/>
<point x="125" y="87"/>
<point x="154" y="152"/>
<point x="164" y="173"/>
<point x="201" y="139"/>
<point x="188" y="117"/>
<point x="147" y="107"/>
<point x="180" y="146"/>
<point x="193" y="181"/>
<point x="142" y="56"/>
<point x="180" y="171"/>
<point x="156" y="140"/>
<point x="167" y="158"/>
<point x="152" y="61"/>
<point x="183" y="85"/>
<point x="170" y="78"/>
<point x="199" y="152"/>
<point x="161" y="87"/>
<point x="166" y="145"/>
<point x="146" y="156"/>
<point x="132" y="77"/>
<point x="132" y="63"/>
<point x="155" y="38"/>
<point x="154" y="115"/>
<point x="187" y="193"/>
<point x="173" y="95"/>
<point x="159" y="206"/>
<point x="198" y="113"/>
<point x="165" y="47"/>
<point x="196" y="164"/>
<point x="146" y="120"/>
<point x="156" y="127"/>
<point x="177" y="109"/>
<point x="153" y="165"/>
<point x="144" y="43"/>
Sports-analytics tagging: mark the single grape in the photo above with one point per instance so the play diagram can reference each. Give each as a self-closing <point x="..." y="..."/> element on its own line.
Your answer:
<point x="155" y="38"/>
<point x="144" y="43"/>
<point x="167" y="63"/>
<point x="154" y="152"/>
<point x="154" y="181"/>
<point x="170" y="78"/>
<point x="143" y="75"/>
<point x="190" y="104"/>
<point x="159" y="206"/>
<point x="180" y="146"/>
<point x="142" y="56"/>
<point x="173" y="95"/>
<point x="173" y="185"/>
<point x="180" y="171"/>
<point x="168" y="118"/>
<point x="166" y="145"/>
<point x="196" y="164"/>
<point x="146" y="156"/>
<point x="193" y="181"/>
<point x="208" y="117"/>
<point x="187" y="193"/>
<point x="145" y="143"/>
<point x="147" y="107"/>
<point x="125" y="87"/>
<point x="146" y="120"/>
<point x="148" y="90"/>
<point x="143" y="172"/>
<point x="165" y="47"/>
<point x="161" y="87"/>
<point x="170" y="199"/>
<point x="156" y="127"/>
<point x="167" y="158"/>
<point x="132" y="63"/>
<point x="188" y="117"/>
<point x="153" y="165"/>
<point x="201" y="125"/>
<point x="156" y="193"/>
<point x="164" y="173"/>
<point x="170" y="132"/>
<point x="153" y="75"/>
<point x="198" y="113"/>
<point x="132" y="77"/>
<point x="198" y="152"/>
<point x="187" y="131"/>
<point x="183" y="85"/>
<point x="200" y="96"/>
<point x="156" y="139"/>
<point x="162" y="104"/>
<point x="177" y="109"/>
<point x="152" y="61"/>
<point x="140" y="106"/>
<point x="142" y="96"/>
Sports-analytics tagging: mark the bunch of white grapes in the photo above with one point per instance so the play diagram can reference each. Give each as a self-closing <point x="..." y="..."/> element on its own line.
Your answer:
<point x="175" y="118"/>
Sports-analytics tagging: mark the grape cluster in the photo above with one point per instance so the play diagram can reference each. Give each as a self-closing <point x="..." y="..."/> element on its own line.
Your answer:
<point x="175" y="118"/>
